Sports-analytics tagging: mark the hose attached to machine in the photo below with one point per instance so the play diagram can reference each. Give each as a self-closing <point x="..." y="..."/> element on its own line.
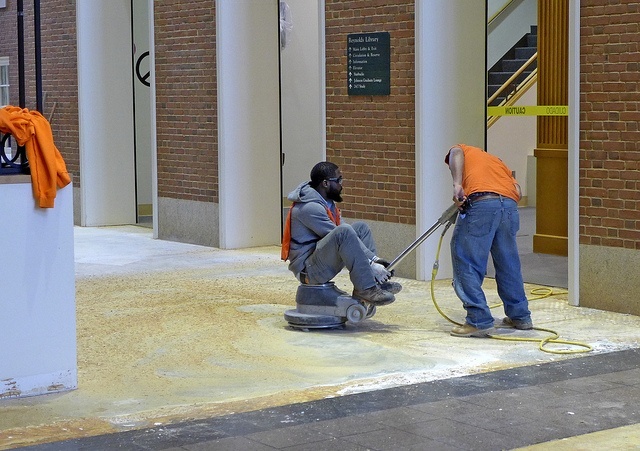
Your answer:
<point x="546" y="292"/>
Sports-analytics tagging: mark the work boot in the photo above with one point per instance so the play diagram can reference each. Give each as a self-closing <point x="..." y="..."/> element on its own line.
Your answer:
<point x="391" y="287"/>
<point x="522" y="324"/>
<point x="467" y="330"/>
<point x="374" y="295"/>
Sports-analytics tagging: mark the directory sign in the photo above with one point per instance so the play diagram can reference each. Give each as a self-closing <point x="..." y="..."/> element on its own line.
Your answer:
<point x="369" y="64"/>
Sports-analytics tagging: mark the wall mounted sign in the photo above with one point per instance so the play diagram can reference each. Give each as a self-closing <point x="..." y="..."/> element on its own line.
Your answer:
<point x="144" y="78"/>
<point x="369" y="64"/>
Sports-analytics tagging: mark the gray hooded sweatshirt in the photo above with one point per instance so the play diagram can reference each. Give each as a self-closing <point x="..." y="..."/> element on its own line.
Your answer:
<point x="309" y="223"/>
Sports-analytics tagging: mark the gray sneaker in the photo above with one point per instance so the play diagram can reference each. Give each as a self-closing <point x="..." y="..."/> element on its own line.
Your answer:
<point x="391" y="287"/>
<point x="522" y="324"/>
<point x="374" y="295"/>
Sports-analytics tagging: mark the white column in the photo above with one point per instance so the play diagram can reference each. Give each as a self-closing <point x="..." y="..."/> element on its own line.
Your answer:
<point x="574" y="153"/>
<point x="105" y="107"/>
<point x="152" y="101"/>
<point x="450" y="108"/>
<point x="247" y="45"/>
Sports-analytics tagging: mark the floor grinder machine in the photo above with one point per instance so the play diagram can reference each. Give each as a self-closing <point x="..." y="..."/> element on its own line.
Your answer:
<point x="325" y="306"/>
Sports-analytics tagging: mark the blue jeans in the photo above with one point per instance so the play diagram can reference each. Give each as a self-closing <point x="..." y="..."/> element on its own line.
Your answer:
<point x="489" y="227"/>
<point x="345" y="246"/>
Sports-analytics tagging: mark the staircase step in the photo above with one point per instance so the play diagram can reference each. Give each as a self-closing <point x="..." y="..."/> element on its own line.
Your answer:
<point x="491" y="89"/>
<point x="511" y="62"/>
<point x="498" y="78"/>
<point x="525" y="52"/>
<point x="513" y="65"/>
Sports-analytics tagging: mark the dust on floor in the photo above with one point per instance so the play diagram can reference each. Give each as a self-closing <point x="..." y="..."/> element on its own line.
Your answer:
<point x="163" y="346"/>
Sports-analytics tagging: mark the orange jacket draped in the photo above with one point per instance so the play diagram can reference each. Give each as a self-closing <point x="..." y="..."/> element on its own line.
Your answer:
<point x="48" y="170"/>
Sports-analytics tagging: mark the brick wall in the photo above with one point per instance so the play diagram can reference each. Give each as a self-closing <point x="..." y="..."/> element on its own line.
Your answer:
<point x="186" y="109"/>
<point x="60" y="78"/>
<point x="372" y="138"/>
<point x="9" y="33"/>
<point x="609" y="117"/>
<point x="9" y="48"/>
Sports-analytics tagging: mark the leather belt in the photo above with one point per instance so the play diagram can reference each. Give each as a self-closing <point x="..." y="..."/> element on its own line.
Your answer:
<point x="475" y="197"/>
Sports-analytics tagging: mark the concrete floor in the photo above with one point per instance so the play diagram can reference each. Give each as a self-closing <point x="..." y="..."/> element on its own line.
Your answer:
<point x="169" y="332"/>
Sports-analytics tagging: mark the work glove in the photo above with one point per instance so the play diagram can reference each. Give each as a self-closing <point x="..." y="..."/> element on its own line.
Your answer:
<point x="384" y="263"/>
<point x="380" y="273"/>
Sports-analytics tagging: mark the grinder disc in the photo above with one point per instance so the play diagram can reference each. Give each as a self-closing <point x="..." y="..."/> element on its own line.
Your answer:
<point x="299" y="320"/>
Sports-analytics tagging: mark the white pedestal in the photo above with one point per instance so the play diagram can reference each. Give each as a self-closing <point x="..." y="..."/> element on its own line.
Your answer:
<point x="37" y="292"/>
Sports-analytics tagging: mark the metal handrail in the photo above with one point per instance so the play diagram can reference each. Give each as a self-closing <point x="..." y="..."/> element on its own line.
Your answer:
<point x="519" y="91"/>
<point x="512" y="78"/>
<point x="500" y="11"/>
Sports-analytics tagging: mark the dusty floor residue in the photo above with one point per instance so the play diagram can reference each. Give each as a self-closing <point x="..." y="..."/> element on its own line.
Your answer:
<point x="160" y="346"/>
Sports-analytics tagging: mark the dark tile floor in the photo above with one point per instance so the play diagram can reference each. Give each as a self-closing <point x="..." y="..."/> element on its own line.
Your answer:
<point x="490" y="411"/>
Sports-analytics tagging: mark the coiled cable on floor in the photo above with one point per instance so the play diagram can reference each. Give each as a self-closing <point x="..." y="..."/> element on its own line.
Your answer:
<point x="541" y="293"/>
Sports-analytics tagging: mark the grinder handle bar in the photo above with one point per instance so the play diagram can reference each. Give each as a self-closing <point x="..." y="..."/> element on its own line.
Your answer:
<point x="449" y="216"/>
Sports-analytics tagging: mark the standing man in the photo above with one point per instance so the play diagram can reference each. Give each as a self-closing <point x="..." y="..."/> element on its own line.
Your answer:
<point x="318" y="245"/>
<point x="488" y="194"/>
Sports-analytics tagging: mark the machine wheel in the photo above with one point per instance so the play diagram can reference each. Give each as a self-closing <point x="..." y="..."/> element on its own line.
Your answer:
<point x="371" y="310"/>
<point x="356" y="313"/>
